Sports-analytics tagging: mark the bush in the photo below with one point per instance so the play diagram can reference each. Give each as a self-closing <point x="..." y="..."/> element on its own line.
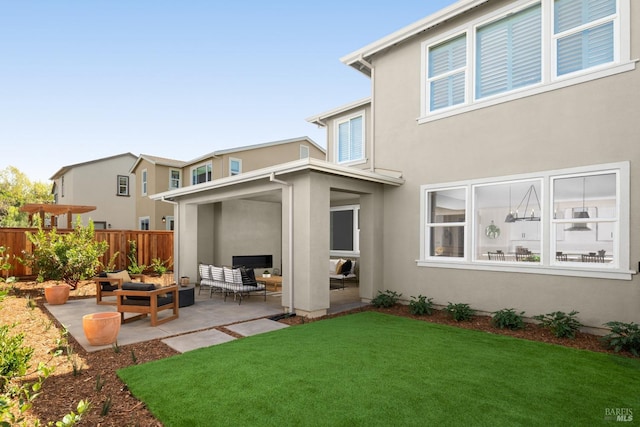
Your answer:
<point x="460" y="311"/>
<point x="421" y="305"/>
<point x="561" y="324"/>
<point x="386" y="299"/>
<point x="14" y="358"/>
<point x="69" y="257"/>
<point x="623" y="336"/>
<point x="508" y="319"/>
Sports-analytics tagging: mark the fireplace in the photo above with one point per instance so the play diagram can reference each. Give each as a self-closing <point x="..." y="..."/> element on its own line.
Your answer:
<point x="253" y="261"/>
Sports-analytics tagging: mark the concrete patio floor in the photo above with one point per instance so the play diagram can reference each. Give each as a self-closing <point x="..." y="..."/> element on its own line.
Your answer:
<point x="195" y="326"/>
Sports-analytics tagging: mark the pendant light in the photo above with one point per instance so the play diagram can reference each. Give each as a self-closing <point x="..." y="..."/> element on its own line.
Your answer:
<point x="583" y="214"/>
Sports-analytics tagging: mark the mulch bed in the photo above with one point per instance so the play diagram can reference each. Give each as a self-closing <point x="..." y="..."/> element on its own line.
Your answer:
<point x="92" y="376"/>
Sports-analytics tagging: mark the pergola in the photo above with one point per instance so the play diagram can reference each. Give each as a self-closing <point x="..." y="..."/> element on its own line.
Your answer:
<point x="55" y="211"/>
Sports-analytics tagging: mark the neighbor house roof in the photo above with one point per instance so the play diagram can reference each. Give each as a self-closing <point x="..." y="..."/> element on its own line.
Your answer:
<point x="319" y="119"/>
<point x="67" y="168"/>
<point x="218" y="153"/>
<point x="308" y="164"/>
<point x="155" y="160"/>
<point x="360" y="58"/>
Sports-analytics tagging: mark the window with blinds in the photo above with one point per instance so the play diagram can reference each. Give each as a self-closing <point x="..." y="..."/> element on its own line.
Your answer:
<point x="350" y="139"/>
<point x="447" y="73"/>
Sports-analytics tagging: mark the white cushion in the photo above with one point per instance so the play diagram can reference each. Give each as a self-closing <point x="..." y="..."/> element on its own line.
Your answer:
<point x="217" y="273"/>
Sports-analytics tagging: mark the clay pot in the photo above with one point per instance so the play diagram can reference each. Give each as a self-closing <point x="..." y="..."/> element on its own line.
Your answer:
<point x="101" y="328"/>
<point x="57" y="294"/>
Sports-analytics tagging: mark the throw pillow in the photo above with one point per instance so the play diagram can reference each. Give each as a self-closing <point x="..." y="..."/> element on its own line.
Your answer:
<point x="346" y="267"/>
<point x="124" y="275"/>
<point x="339" y="266"/>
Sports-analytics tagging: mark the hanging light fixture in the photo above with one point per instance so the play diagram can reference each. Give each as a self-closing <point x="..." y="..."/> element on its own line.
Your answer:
<point x="580" y="214"/>
<point x="511" y="217"/>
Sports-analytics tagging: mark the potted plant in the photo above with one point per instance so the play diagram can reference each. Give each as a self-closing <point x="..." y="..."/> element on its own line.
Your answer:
<point x="161" y="269"/>
<point x="266" y="273"/>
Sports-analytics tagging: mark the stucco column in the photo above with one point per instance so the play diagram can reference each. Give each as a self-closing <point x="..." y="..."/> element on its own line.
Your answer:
<point x="371" y="245"/>
<point x="186" y="241"/>
<point x="311" y="244"/>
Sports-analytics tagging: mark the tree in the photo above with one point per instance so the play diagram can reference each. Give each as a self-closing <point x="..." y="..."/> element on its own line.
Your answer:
<point x="16" y="190"/>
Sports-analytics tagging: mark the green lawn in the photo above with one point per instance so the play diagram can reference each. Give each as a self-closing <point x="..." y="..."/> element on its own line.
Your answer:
<point x="374" y="369"/>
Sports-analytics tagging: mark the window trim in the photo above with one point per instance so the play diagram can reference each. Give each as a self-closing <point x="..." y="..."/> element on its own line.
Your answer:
<point x="622" y="61"/>
<point x="144" y="181"/>
<point x="356" y="231"/>
<point x="171" y="179"/>
<point x="195" y="168"/>
<point x="142" y="219"/>
<point x="126" y="193"/>
<point x="336" y="145"/>
<point x="235" y="159"/>
<point x="547" y="266"/>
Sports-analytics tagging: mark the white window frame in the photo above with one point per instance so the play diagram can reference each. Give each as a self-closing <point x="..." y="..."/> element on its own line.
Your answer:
<point x="125" y="186"/>
<point x="144" y="220"/>
<point x="235" y="159"/>
<point x="208" y="165"/>
<point x="144" y="182"/>
<point x="619" y="270"/>
<point x="169" y="224"/>
<point x="356" y="231"/>
<point x="173" y="182"/>
<point x="622" y="60"/>
<point x="336" y="144"/>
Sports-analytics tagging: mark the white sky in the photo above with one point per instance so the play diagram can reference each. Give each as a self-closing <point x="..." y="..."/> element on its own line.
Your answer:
<point x="86" y="79"/>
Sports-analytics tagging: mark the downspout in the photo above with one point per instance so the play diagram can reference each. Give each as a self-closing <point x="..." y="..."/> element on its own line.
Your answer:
<point x="273" y="178"/>
<point x="372" y="166"/>
<point x="176" y="248"/>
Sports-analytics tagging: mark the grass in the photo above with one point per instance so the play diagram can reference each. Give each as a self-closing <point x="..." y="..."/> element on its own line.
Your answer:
<point x="374" y="369"/>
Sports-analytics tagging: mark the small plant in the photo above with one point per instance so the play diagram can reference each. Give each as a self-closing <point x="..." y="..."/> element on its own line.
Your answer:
<point x="111" y="265"/>
<point x="134" y="358"/>
<point x="159" y="266"/>
<point x="460" y="311"/>
<point x="386" y="299"/>
<point x="115" y="347"/>
<point x="421" y="305"/>
<point x="134" y="267"/>
<point x="15" y="357"/>
<point x="623" y="336"/>
<point x="561" y="324"/>
<point x="106" y="406"/>
<point x="508" y="319"/>
<point x="99" y="382"/>
<point x="5" y="266"/>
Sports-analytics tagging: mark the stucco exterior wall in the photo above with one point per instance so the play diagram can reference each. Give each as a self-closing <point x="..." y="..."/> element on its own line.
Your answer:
<point x="332" y="136"/>
<point x="586" y="124"/>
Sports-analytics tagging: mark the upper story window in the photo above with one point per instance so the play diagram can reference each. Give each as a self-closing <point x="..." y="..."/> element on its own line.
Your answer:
<point x="304" y="152"/>
<point x="123" y="185"/>
<point x="175" y="177"/>
<point x="201" y="173"/>
<point x="350" y="138"/>
<point x="572" y="222"/>
<point x="62" y="186"/>
<point x="524" y="49"/>
<point x="235" y="166"/>
<point x="143" y="183"/>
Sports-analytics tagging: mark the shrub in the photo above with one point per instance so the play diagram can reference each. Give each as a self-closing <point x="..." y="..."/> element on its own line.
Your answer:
<point x="386" y="299"/>
<point x="459" y="311"/>
<point x="421" y="305"/>
<point x="134" y="267"/>
<point x="561" y="324"/>
<point x="159" y="266"/>
<point x="69" y="257"/>
<point x="507" y="318"/>
<point x="14" y="358"/>
<point x="623" y="336"/>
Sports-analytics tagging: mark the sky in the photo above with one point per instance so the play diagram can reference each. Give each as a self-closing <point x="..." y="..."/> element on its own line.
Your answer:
<point x="85" y="79"/>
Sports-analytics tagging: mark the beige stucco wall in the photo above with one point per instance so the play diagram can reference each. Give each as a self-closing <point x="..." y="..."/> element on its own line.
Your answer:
<point x="587" y="124"/>
<point x="332" y="139"/>
<point x="95" y="184"/>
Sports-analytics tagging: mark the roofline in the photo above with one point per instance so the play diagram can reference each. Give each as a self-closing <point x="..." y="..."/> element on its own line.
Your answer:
<point x="153" y="161"/>
<point x="64" y="169"/>
<point x="308" y="164"/>
<point x="358" y="59"/>
<point x="222" y="152"/>
<point x="319" y="118"/>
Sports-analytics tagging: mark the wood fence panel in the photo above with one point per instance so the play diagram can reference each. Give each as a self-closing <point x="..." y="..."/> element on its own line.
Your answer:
<point x="150" y="245"/>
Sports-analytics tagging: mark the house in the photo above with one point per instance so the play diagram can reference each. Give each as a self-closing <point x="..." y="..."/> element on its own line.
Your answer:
<point x="157" y="175"/>
<point x="104" y="183"/>
<point x="492" y="165"/>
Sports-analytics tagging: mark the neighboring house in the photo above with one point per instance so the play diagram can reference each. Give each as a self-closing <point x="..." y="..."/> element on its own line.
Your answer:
<point x="493" y="165"/>
<point x="104" y="183"/>
<point x="157" y="175"/>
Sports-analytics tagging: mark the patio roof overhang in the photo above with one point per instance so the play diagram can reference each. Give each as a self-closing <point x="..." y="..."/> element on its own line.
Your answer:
<point x="302" y="165"/>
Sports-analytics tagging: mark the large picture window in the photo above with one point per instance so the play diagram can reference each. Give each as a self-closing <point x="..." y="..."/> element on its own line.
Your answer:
<point x="568" y="222"/>
<point x="523" y="49"/>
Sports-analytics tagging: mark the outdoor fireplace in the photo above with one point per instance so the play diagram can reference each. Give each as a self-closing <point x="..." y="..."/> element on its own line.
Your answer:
<point x="253" y="261"/>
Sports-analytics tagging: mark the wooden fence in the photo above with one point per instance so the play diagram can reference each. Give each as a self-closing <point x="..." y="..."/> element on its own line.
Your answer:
<point x="150" y="245"/>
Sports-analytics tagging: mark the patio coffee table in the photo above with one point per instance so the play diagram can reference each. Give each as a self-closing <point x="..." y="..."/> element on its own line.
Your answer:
<point x="272" y="283"/>
<point x="186" y="295"/>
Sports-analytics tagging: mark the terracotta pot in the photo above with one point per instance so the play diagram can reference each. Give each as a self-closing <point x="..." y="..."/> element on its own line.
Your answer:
<point x="101" y="328"/>
<point x="57" y="294"/>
